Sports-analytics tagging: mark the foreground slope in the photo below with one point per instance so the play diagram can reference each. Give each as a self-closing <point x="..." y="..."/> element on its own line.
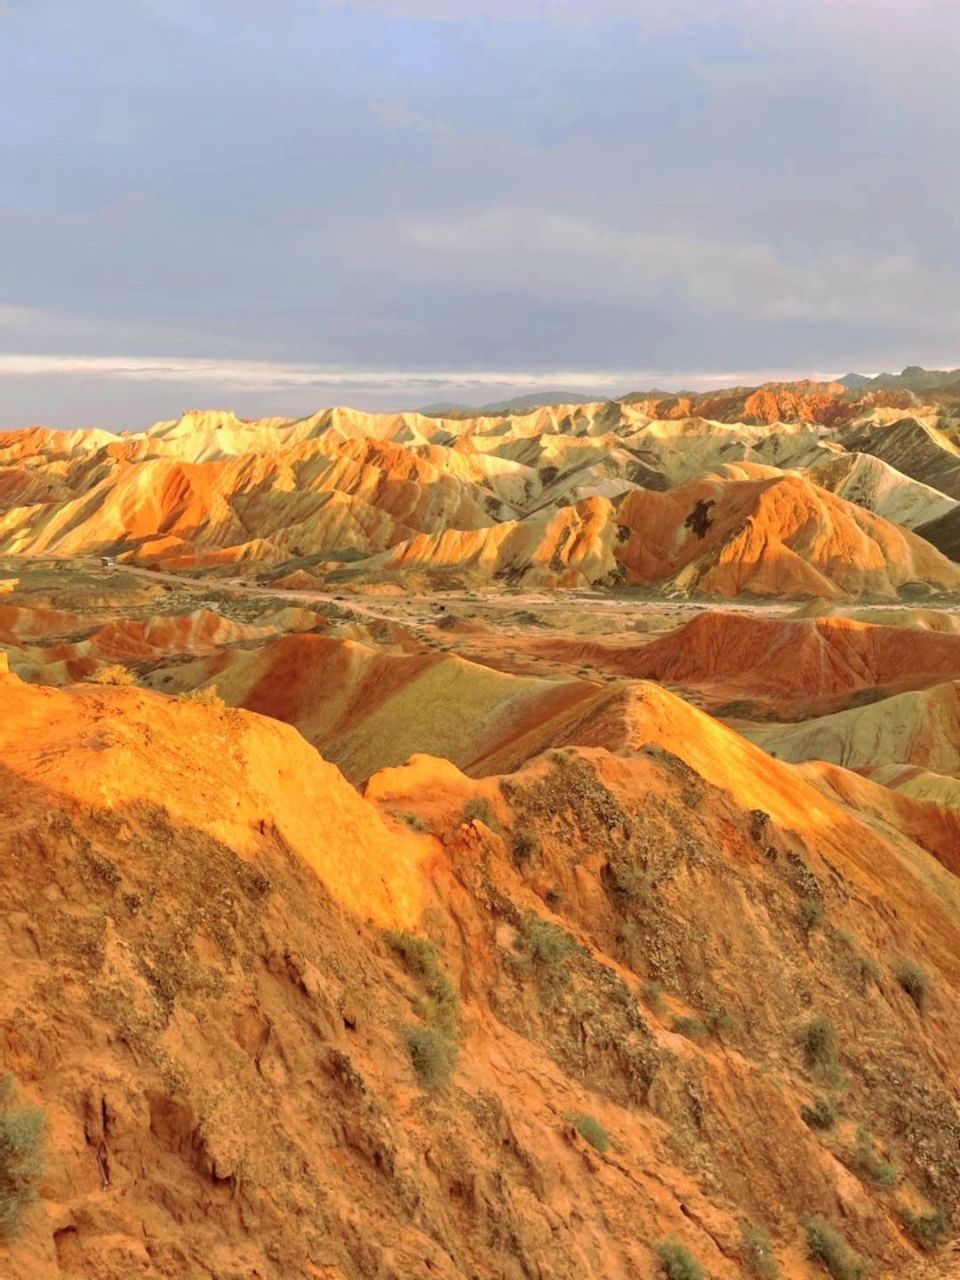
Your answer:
<point x="202" y="996"/>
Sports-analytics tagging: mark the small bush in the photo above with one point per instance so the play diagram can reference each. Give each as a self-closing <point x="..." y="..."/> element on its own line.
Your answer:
<point x="819" y="1043"/>
<point x="433" y="1055"/>
<point x="590" y="1129"/>
<point x="478" y="809"/>
<point x="440" y="1006"/>
<point x="821" y="1115"/>
<point x="828" y="1247"/>
<point x="630" y="883"/>
<point x="718" y="1021"/>
<point x="677" y="1262"/>
<point x="758" y="1256"/>
<point x="811" y="914"/>
<point x="414" y="821"/>
<point x="207" y="696"/>
<point x="926" y="1230"/>
<point x="549" y="949"/>
<point x="914" y="981"/>
<point x="863" y="968"/>
<point x="714" y="1024"/>
<point x="22" y="1142"/>
<point x="692" y="1028"/>
<point x="113" y="674"/>
<point x="545" y="942"/>
<point x="866" y="970"/>
<point x="871" y="1166"/>
<point x="653" y="996"/>
<point x="525" y="845"/>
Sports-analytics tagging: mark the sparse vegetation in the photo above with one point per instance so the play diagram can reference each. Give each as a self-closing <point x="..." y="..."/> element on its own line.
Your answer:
<point x="653" y="996"/>
<point x="811" y="913"/>
<point x="414" y="821"/>
<point x="479" y="809"/>
<point x="548" y="948"/>
<point x="433" y="1055"/>
<point x="677" y="1262"/>
<point x="630" y="883"/>
<point x="758" y="1256"/>
<point x="866" y="970"/>
<point x="207" y="696"/>
<point x="22" y="1134"/>
<point x="692" y="1028"/>
<point x="526" y="844"/>
<point x="719" y="1021"/>
<point x="828" y="1247"/>
<point x="115" y="673"/>
<point x="822" y="1114"/>
<point x="590" y="1129"/>
<point x="928" y="1231"/>
<point x="713" y="1024"/>
<point x="545" y="942"/>
<point x="870" y="1165"/>
<point x="819" y="1043"/>
<point x="913" y="979"/>
<point x="440" y="1004"/>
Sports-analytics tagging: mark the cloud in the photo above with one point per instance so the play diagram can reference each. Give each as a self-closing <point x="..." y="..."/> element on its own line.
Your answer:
<point x="556" y="255"/>
<point x="388" y="190"/>
<point x="512" y="11"/>
<point x="267" y="375"/>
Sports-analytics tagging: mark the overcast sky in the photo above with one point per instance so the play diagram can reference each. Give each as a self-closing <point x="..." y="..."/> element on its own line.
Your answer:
<point x="274" y="205"/>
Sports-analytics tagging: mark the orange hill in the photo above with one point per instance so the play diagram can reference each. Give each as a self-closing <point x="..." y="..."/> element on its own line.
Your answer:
<point x="593" y="494"/>
<point x="613" y="959"/>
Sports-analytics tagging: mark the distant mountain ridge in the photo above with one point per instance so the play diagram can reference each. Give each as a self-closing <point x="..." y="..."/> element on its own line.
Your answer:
<point x="533" y="400"/>
<point x="912" y="378"/>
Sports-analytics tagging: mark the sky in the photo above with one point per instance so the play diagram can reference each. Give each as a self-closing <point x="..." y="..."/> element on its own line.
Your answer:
<point x="276" y="205"/>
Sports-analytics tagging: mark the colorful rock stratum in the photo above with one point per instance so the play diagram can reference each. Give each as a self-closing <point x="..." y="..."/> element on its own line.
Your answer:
<point x="499" y="848"/>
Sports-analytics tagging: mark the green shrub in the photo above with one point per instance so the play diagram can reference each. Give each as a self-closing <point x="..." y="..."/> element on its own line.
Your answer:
<point x="545" y="942"/>
<point x="718" y="1021"/>
<point x="828" y="1247"/>
<point x="926" y="1230"/>
<point x="414" y="821"/>
<point x="653" y="996"/>
<point x="811" y="913"/>
<point x="819" y="1043"/>
<point x="821" y="1115"/>
<point x="433" y="1055"/>
<point x="22" y="1154"/>
<point x="549" y="949"/>
<point x="630" y="883"/>
<point x="871" y="1166"/>
<point x="478" y="809"/>
<point x="914" y="981"/>
<point x="692" y="1028"/>
<point x="715" y="1022"/>
<point x="525" y="845"/>
<point x="440" y="1005"/>
<point x="677" y="1262"/>
<point x="590" y="1129"/>
<point x="866" y="970"/>
<point x="758" y="1256"/>
<point x="862" y="967"/>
